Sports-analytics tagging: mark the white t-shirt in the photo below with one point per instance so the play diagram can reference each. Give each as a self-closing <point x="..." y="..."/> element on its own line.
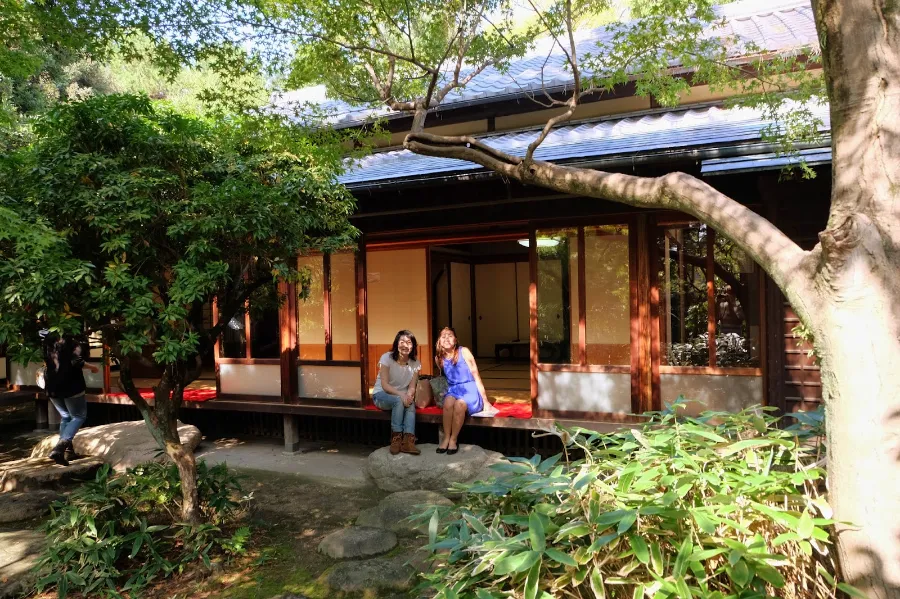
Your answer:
<point x="399" y="375"/>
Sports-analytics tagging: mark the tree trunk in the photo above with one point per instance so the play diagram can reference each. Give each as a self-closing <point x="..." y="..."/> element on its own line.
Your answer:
<point x="187" y="471"/>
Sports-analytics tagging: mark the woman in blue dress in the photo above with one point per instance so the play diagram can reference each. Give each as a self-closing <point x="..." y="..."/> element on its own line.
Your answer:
<point x="465" y="391"/>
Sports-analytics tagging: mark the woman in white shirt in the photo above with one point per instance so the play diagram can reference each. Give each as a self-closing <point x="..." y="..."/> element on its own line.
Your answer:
<point x="395" y="391"/>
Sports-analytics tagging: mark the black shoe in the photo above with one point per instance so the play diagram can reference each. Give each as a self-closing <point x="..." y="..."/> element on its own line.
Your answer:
<point x="70" y="452"/>
<point x="440" y="450"/>
<point x="452" y="451"/>
<point x="58" y="454"/>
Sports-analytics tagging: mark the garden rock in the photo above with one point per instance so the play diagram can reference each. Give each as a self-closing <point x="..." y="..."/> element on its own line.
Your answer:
<point x="19" y="551"/>
<point x="393" y="512"/>
<point x="357" y="541"/>
<point x="377" y="574"/>
<point x="15" y="507"/>
<point x="41" y="473"/>
<point x="122" y="445"/>
<point x="430" y="471"/>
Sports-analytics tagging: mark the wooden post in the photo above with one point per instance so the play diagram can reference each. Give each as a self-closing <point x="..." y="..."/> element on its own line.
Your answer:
<point x="532" y="315"/>
<point x="217" y="348"/>
<point x="326" y="303"/>
<point x="291" y="433"/>
<point x="582" y="298"/>
<point x="655" y="328"/>
<point x="711" y="293"/>
<point x="287" y="324"/>
<point x="362" y="321"/>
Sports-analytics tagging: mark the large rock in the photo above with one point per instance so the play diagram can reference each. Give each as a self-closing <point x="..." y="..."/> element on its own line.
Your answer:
<point x="41" y="473"/>
<point x="15" y="507"/>
<point x="393" y="512"/>
<point x="372" y="575"/>
<point x="19" y="552"/>
<point x="430" y="471"/>
<point x="357" y="541"/>
<point x="122" y="445"/>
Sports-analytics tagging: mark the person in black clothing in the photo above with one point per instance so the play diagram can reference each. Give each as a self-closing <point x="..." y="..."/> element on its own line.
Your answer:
<point x="64" y="382"/>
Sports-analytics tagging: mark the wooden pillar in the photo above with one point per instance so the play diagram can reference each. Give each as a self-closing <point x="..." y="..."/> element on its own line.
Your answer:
<point x="362" y="323"/>
<point x="642" y="378"/>
<point x="655" y="329"/>
<point x="711" y="293"/>
<point x="287" y="322"/>
<point x="581" y="277"/>
<point x="532" y="315"/>
<point x="291" y="432"/>
<point x="217" y="348"/>
<point x="41" y="414"/>
<point x="326" y="303"/>
<point x="107" y="375"/>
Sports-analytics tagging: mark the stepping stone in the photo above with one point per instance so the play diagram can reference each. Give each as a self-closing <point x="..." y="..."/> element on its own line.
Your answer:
<point x="122" y="445"/>
<point x="430" y="471"/>
<point x="15" y="507"/>
<point x="393" y="512"/>
<point x="357" y="541"/>
<point x="41" y="473"/>
<point x="372" y="575"/>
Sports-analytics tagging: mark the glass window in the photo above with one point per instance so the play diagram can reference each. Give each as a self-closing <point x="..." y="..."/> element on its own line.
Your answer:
<point x="557" y="296"/>
<point x="683" y="277"/>
<point x="265" y="332"/>
<point x="344" y="329"/>
<point x="607" y="295"/>
<point x="311" y="311"/>
<point x="234" y="337"/>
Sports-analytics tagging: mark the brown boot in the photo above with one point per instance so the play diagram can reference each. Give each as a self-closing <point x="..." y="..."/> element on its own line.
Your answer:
<point x="409" y="444"/>
<point x="396" y="440"/>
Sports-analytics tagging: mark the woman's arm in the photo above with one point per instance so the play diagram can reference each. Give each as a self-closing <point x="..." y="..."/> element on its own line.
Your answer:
<point x="78" y="360"/>
<point x="473" y="368"/>
<point x="413" y="387"/>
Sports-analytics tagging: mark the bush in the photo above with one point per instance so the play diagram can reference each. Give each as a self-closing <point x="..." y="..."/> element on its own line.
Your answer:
<point x="116" y="534"/>
<point x="724" y="505"/>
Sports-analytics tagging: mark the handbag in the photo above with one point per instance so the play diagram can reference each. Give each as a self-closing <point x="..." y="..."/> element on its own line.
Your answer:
<point x="424" y="396"/>
<point x="40" y="377"/>
<point x="439" y="388"/>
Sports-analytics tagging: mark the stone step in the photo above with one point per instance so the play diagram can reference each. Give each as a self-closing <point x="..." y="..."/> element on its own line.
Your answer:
<point x="42" y="473"/>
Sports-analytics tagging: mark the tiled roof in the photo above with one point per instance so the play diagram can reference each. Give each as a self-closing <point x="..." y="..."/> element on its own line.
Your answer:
<point x="773" y="25"/>
<point x="760" y="162"/>
<point x="629" y="136"/>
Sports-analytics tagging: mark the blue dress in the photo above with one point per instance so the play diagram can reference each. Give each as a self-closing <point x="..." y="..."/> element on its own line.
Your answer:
<point x="461" y="384"/>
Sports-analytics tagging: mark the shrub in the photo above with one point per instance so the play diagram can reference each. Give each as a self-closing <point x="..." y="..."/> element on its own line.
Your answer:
<point x="116" y="534"/>
<point x="724" y="505"/>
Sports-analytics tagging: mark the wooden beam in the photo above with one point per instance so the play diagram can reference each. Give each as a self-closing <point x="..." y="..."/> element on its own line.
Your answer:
<point x="655" y="329"/>
<point x="287" y="324"/>
<point x="217" y="348"/>
<point x="582" y="298"/>
<point x="642" y="231"/>
<point x="711" y="293"/>
<point x="362" y="323"/>
<point x="429" y="308"/>
<point x="474" y="318"/>
<point x="247" y="341"/>
<point x="326" y="303"/>
<point x="532" y="315"/>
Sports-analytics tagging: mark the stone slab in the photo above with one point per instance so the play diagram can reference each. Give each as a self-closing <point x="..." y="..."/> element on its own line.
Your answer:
<point x="16" y="507"/>
<point x="393" y="512"/>
<point x="372" y="575"/>
<point x="122" y="445"/>
<point x="357" y="541"/>
<point x="42" y="473"/>
<point x="19" y="553"/>
<point x="430" y="471"/>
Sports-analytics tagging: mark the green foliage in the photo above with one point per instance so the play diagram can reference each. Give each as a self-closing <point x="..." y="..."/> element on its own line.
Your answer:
<point x="722" y="505"/>
<point x="124" y="215"/>
<point x="113" y="536"/>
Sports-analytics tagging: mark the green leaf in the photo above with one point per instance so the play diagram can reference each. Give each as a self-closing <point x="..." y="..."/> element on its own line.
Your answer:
<point x="805" y="526"/>
<point x="851" y="590"/>
<point x="597" y="584"/>
<point x="770" y="575"/>
<point x="740" y="573"/>
<point x="682" y="587"/>
<point x="627" y="522"/>
<point x="641" y="551"/>
<point x="517" y="562"/>
<point x="681" y="560"/>
<point x="656" y="559"/>
<point x="532" y="580"/>
<point x="560" y="557"/>
<point x="603" y="541"/>
<point x="705" y="523"/>
<point x="536" y="532"/>
<point x="433" y="528"/>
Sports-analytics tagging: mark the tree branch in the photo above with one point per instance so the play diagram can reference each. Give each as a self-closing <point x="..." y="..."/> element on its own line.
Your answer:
<point x="780" y="257"/>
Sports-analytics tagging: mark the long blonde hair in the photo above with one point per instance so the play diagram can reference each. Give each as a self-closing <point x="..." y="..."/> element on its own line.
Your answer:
<point x="439" y="353"/>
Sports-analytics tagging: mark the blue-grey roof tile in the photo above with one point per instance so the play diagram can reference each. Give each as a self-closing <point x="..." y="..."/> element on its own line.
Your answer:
<point x="646" y="134"/>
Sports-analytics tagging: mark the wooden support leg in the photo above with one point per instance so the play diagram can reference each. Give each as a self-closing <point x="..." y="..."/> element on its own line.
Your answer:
<point x="42" y="422"/>
<point x="291" y="433"/>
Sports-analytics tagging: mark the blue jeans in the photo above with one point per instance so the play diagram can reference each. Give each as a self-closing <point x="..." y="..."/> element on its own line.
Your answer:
<point x="73" y="412"/>
<point x="403" y="418"/>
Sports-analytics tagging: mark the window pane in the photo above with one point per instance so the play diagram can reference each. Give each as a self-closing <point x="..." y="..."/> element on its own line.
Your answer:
<point x="737" y="306"/>
<point x="311" y="312"/>
<point x="557" y="296"/>
<point x="234" y="338"/>
<point x="607" y="295"/>
<point x="265" y="333"/>
<point x="684" y="310"/>
<point x="344" y="331"/>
